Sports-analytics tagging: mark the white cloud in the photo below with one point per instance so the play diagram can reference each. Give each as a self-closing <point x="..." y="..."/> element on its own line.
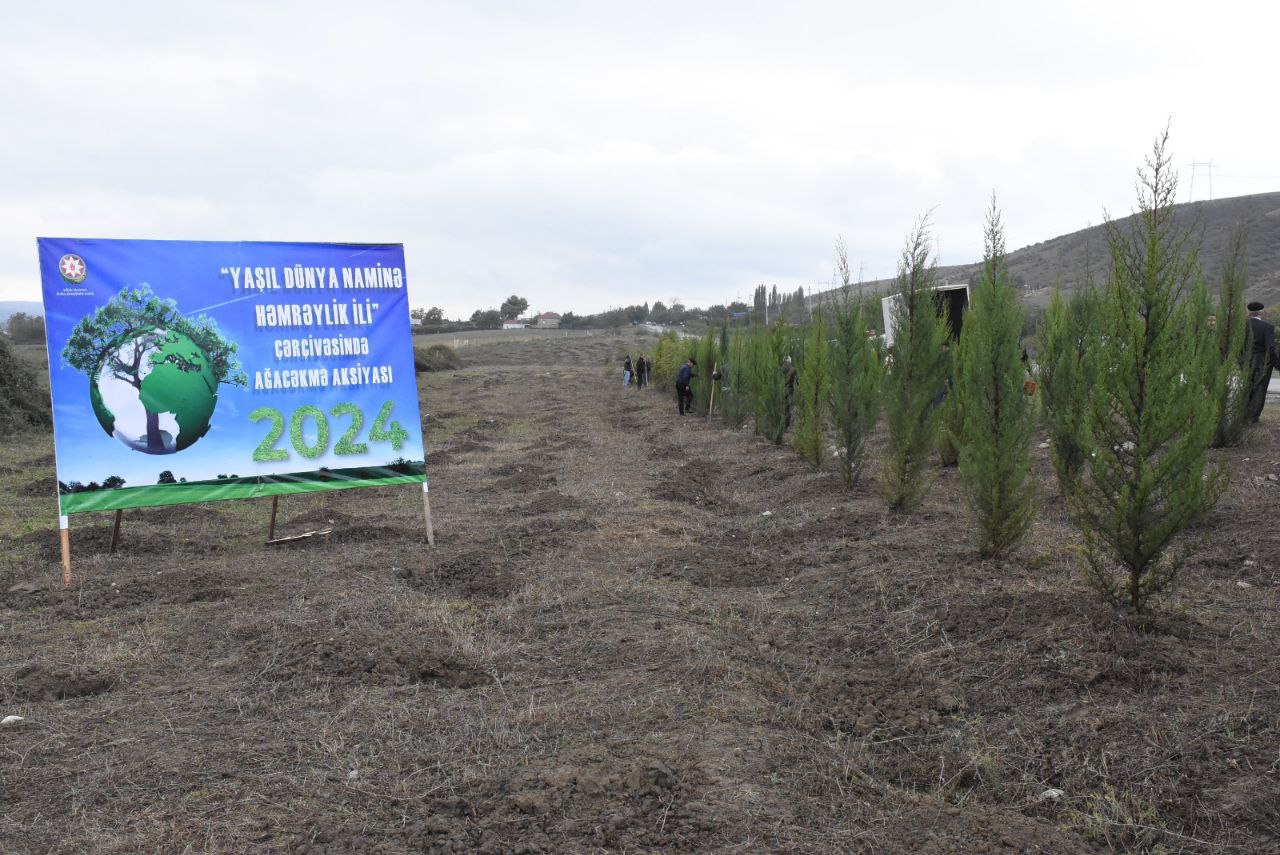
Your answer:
<point x="584" y="155"/>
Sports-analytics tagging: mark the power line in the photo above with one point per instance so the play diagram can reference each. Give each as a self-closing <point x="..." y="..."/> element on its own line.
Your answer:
<point x="1194" y="164"/>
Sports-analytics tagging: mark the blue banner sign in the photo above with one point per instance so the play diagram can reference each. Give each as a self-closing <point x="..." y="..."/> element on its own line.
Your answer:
<point x="187" y="371"/>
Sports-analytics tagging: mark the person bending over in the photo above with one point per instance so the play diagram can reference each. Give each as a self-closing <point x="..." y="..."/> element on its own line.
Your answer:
<point x="684" y="395"/>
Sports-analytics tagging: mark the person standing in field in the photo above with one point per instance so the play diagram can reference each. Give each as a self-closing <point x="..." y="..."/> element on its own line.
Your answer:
<point x="626" y="371"/>
<point x="640" y="378"/>
<point x="1264" y="358"/>
<point x="684" y="376"/>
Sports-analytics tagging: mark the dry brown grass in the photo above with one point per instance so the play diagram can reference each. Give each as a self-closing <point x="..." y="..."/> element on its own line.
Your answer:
<point x="612" y="648"/>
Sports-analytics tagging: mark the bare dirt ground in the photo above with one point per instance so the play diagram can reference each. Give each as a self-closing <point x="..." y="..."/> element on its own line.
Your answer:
<point x="637" y="633"/>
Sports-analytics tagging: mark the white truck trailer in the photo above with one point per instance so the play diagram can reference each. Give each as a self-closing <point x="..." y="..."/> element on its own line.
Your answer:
<point x="950" y="299"/>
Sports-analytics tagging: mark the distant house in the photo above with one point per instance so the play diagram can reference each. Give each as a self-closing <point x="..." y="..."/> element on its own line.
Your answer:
<point x="548" y="319"/>
<point x="513" y="324"/>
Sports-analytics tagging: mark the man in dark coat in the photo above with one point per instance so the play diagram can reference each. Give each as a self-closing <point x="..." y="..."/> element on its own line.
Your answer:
<point x="684" y="395"/>
<point x="1263" y="337"/>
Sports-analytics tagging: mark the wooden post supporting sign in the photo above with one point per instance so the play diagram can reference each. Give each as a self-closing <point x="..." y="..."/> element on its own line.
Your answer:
<point x="271" y="528"/>
<point x="65" y="535"/>
<point x="426" y="508"/>
<point x="115" y="532"/>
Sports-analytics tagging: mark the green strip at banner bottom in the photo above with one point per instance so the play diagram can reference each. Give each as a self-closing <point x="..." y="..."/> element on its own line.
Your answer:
<point x="246" y="488"/>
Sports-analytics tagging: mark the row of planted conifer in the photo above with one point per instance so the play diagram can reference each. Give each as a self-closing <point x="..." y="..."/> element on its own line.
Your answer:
<point x="1137" y="379"/>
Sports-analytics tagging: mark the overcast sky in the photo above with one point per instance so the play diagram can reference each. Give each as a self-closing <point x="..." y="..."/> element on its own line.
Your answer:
<point x="589" y="155"/>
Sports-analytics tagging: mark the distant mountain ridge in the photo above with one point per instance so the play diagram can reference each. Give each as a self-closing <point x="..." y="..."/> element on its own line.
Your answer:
<point x="1065" y="260"/>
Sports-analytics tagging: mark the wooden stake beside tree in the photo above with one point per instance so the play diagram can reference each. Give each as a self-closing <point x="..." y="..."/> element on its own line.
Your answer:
<point x="998" y="418"/>
<point x="706" y="352"/>
<point x="1152" y="417"/>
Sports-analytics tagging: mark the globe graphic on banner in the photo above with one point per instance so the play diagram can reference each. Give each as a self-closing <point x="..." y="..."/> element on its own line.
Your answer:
<point x="154" y="391"/>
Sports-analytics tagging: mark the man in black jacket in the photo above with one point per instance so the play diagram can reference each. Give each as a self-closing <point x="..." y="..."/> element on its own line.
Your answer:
<point x="1263" y="336"/>
<point x="684" y="395"/>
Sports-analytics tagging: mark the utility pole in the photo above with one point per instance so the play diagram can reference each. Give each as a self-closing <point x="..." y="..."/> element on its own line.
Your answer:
<point x="1208" y="164"/>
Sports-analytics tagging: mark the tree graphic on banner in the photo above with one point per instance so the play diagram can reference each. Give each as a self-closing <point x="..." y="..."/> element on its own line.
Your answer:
<point x="135" y="335"/>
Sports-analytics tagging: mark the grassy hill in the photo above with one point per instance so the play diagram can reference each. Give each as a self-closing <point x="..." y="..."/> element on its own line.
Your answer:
<point x="1065" y="259"/>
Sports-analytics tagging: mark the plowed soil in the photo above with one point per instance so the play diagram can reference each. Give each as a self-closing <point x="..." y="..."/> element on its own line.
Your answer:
<point x="637" y="633"/>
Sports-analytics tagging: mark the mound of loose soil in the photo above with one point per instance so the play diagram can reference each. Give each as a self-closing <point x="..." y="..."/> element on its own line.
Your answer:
<point x="549" y="502"/>
<point x="41" y="682"/>
<point x="695" y="483"/>
<point x="359" y="657"/>
<point x="47" y="487"/>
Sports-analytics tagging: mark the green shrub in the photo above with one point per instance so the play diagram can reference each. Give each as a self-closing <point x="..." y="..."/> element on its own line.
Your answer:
<point x="733" y="400"/>
<point x="707" y="353"/>
<point x="812" y="393"/>
<point x="437" y="357"/>
<point x="857" y="378"/>
<point x="950" y="430"/>
<point x="669" y="353"/>
<point x="997" y="417"/>
<point x="917" y="376"/>
<point x="24" y="402"/>
<point x="1231" y="378"/>
<point x="1067" y="370"/>
<point x="1152" y="416"/>
<point x="767" y="346"/>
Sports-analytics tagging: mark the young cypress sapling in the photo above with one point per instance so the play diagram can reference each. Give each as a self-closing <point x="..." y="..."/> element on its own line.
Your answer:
<point x="735" y="394"/>
<point x="707" y="353"/>
<point x="1068" y="336"/>
<point x="1232" y="332"/>
<point x="916" y="377"/>
<point x="1150" y="420"/>
<point x="951" y="429"/>
<point x="813" y="390"/>
<point x="857" y="379"/>
<point x="998" y="417"/>
<point x="668" y="354"/>
<point x="768" y="394"/>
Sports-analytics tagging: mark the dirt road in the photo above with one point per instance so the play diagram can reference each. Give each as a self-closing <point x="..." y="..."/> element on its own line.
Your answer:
<point x="637" y="633"/>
